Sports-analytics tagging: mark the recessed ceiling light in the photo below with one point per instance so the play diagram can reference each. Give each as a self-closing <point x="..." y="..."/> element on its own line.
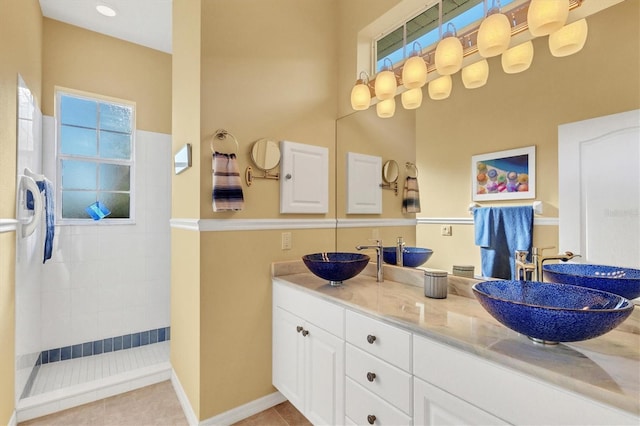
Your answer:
<point x="105" y="10"/>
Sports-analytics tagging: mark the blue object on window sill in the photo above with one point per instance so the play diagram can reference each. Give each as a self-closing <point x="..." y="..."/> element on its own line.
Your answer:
<point x="98" y="211"/>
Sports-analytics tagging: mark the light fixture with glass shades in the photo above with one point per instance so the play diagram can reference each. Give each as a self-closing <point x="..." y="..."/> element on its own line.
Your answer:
<point x="569" y="39"/>
<point x="547" y="16"/>
<point x="414" y="71"/>
<point x="494" y="33"/>
<point x="476" y="74"/>
<point x="361" y="93"/>
<point x="487" y="38"/>
<point x="412" y="98"/>
<point x="440" y="88"/>
<point x="449" y="52"/>
<point x="386" y="82"/>
<point x="518" y="58"/>
<point x="386" y="108"/>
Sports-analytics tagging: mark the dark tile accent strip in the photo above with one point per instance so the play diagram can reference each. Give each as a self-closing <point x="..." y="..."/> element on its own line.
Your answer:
<point x="109" y="344"/>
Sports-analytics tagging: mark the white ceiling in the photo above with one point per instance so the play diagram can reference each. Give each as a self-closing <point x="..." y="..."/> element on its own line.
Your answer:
<point x="144" y="22"/>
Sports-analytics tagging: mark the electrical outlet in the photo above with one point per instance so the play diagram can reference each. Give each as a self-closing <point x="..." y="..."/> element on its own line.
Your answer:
<point x="445" y="230"/>
<point x="286" y="241"/>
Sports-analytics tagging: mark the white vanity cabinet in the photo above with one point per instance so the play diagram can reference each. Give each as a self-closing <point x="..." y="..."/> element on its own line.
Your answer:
<point x="308" y="354"/>
<point x="451" y="385"/>
<point x="378" y="368"/>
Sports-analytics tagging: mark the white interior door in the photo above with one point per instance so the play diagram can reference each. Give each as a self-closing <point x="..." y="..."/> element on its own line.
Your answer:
<point x="599" y="189"/>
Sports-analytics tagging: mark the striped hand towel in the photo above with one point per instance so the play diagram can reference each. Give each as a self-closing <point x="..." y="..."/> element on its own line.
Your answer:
<point x="227" y="187"/>
<point x="411" y="196"/>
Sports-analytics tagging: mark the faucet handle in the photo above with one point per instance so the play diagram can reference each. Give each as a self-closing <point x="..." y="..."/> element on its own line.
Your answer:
<point x="521" y="255"/>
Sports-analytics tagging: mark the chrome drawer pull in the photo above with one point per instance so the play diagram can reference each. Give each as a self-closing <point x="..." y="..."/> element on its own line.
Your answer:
<point x="371" y="338"/>
<point x="371" y="419"/>
<point x="371" y="376"/>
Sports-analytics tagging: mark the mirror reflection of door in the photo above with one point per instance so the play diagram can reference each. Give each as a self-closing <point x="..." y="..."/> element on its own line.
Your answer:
<point x="599" y="183"/>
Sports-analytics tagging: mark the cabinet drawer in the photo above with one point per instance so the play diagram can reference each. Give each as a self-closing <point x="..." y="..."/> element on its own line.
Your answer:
<point x="364" y="408"/>
<point x="375" y="375"/>
<point x="382" y="340"/>
<point x="325" y="315"/>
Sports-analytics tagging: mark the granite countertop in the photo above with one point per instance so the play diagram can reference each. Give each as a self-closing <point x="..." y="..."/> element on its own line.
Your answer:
<point x="606" y="369"/>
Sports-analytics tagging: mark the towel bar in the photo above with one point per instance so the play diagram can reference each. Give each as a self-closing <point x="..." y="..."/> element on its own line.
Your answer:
<point x="537" y="207"/>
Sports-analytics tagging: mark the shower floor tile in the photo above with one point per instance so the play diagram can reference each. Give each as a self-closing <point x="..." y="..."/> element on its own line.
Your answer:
<point x="57" y="375"/>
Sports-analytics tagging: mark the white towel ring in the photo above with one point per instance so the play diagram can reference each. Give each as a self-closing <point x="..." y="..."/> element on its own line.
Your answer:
<point x="222" y="134"/>
<point x="409" y="167"/>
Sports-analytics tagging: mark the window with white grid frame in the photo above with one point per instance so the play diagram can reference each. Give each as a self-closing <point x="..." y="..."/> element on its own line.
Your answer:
<point x="95" y="159"/>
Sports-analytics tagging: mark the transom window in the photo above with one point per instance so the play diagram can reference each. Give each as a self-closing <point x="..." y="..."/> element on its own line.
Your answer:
<point x="94" y="159"/>
<point x="425" y="29"/>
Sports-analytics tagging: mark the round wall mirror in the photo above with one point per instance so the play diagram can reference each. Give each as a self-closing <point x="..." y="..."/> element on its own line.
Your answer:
<point x="265" y="153"/>
<point x="390" y="171"/>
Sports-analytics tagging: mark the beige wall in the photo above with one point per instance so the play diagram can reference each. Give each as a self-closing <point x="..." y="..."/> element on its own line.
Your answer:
<point x="84" y="60"/>
<point x="520" y="110"/>
<point x="20" y="50"/>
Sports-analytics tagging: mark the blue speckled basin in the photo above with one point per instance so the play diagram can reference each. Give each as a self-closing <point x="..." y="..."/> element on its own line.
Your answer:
<point x="411" y="256"/>
<point x="336" y="266"/>
<point x="624" y="282"/>
<point x="550" y="312"/>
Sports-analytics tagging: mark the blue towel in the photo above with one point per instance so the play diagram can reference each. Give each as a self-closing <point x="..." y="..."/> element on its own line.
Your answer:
<point x="500" y="231"/>
<point x="46" y="189"/>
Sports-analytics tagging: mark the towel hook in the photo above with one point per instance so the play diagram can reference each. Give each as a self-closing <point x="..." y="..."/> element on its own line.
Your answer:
<point x="410" y="166"/>
<point x="222" y="134"/>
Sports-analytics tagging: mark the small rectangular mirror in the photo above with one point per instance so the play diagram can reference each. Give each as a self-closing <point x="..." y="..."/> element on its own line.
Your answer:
<point x="182" y="159"/>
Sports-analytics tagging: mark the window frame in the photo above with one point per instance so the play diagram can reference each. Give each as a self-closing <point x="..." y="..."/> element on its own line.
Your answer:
<point x="59" y="157"/>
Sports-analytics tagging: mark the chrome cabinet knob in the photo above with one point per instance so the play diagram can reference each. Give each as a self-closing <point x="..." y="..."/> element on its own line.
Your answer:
<point x="371" y="419"/>
<point x="288" y="176"/>
<point x="371" y="376"/>
<point x="299" y="329"/>
<point x="371" y="338"/>
<point x="305" y="333"/>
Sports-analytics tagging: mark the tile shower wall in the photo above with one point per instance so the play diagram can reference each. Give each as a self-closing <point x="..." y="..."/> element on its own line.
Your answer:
<point x="112" y="280"/>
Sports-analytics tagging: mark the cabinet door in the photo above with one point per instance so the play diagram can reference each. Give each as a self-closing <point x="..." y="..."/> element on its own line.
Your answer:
<point x="433" y="406"/>
<point x="304" y="178"/>
<point x="324" y="375"/>
<point x="288" y="356"/>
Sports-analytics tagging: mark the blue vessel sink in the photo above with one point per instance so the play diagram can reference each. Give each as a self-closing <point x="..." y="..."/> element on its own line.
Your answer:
<point x="624" y="282"/>
<point x="336" y="267"/>
<point x="411" y="256"/>
<point x="551" y="313"/>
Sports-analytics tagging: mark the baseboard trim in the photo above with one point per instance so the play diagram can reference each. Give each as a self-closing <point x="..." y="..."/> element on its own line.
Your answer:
<point x="247" y="410"/>
<point x="13" y="419"/>
<point x="192" y="419"/>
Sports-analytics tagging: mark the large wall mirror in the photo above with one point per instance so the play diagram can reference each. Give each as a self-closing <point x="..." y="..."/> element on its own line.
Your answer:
<point x="392" y="139"/>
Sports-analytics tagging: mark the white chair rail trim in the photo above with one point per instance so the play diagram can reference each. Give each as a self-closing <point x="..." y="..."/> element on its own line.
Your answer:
<point x="219" y="225"/>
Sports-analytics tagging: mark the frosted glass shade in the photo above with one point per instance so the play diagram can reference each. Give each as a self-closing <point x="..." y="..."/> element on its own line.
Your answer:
<point x="518" y="58"/>
<point x="412" y="99"/>
<point x="386" y="85"/>
<point x="494" y="35"/>
<point x="440" y="88"/>
<point x="568" y="39"/>
<point x="547" y="16"/>
<point x="360" y="96"/>
<point x="414" y="72"/>
<point x="386" y="108"/>
<point x="476" y="74"/>
<point x="449" y="56"/>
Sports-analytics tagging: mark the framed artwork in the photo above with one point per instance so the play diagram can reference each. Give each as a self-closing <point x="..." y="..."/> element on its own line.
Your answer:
<point x="504" y="175"/>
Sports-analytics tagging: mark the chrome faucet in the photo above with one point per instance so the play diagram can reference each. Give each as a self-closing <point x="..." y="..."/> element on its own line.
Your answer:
<point x="400" y="252"/>
<point x="533" y="270"/>
<point x="378" y="248"/>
